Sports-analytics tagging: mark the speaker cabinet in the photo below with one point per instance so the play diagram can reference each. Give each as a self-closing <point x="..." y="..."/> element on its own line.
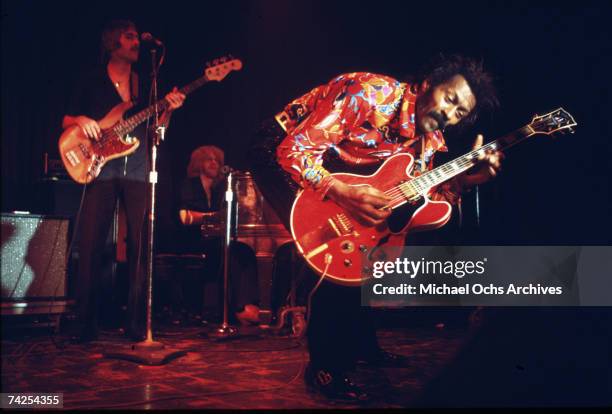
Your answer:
<point x="34" y="277"/>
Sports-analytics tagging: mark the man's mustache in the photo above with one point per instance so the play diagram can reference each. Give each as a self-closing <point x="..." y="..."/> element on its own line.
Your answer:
<point x="440" y="119"/>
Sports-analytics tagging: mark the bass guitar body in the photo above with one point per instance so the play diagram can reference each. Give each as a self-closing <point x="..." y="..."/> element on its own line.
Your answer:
<point x="329" y="238"/>
<point x="84" y="157"/>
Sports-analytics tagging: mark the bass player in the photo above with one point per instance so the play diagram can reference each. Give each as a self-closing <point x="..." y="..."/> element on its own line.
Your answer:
<point x="96" y="93"/>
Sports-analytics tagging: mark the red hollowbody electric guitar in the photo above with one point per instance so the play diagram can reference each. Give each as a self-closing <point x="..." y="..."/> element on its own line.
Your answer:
<point x="84" y="158"/>
<point x="334" y="243"/>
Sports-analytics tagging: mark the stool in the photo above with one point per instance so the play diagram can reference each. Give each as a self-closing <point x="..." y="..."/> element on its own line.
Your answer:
<point x="174" y="272"/>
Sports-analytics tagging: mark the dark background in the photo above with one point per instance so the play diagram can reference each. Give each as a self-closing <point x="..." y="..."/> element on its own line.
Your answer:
<point x="551" y="191"/>
<point x="544" y="55"/>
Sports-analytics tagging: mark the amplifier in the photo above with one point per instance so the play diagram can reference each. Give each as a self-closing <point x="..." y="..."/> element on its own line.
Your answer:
<point x="34" y="249"/>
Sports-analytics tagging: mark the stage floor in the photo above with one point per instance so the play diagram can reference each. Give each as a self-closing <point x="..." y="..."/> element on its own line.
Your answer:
<point x="255" y="371"/>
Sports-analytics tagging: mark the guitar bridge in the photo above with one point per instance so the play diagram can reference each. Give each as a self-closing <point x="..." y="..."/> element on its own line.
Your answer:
<point x="341" y="224"/>
<point x="96" y="166"/>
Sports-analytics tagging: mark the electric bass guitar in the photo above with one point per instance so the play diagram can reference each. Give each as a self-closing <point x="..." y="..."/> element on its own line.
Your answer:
<point x="335" y="244"/>
<point x="84" y="158"/>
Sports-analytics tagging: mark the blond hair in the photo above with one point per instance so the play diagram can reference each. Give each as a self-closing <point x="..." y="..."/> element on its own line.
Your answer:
<point x="199" y="154"/>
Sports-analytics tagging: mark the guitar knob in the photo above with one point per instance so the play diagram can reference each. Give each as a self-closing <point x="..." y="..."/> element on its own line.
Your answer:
<point x="348" y="262"/>
<point x="362" y="248"/>
<point x="347" y="247"/>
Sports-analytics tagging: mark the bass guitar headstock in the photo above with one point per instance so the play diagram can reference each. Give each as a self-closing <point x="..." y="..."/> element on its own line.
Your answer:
<point x="218" y="69"/>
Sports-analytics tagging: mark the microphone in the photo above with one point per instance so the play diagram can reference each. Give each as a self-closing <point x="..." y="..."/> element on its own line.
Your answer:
<point x="148" y="37"/>
<point x="226" y="169"/>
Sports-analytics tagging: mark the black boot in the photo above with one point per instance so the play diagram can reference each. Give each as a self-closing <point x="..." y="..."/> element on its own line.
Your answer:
<point x="333" y="385"/>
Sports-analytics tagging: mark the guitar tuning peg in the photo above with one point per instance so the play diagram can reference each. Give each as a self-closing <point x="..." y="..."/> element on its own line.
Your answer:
<point x="223" y="59"/>
<point x="572" y="131"/>
<point x="230" y="56"/>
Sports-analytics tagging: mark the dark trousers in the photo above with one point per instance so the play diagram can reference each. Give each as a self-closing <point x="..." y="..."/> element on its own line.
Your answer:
<point x="340" y="329"/>
<point x="243" y="282"/>
<point x="96" y="218"/>
<point x="244" y="285"/>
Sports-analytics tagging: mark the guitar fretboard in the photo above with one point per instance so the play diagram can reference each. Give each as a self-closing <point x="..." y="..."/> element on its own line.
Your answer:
<point x="128" y="125"/>
<point x="445" y="172"/>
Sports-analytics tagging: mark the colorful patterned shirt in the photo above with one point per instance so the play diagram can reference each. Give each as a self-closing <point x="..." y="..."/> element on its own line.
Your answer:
<point x="365" y="118"/>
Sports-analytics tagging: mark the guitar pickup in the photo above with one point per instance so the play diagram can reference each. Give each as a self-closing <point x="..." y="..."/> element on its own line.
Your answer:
<point x="73" y="158"/>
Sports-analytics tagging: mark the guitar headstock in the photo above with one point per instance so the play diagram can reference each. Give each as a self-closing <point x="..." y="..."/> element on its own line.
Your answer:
<point x="218" y="69"/>
<point x="555" y="121"/>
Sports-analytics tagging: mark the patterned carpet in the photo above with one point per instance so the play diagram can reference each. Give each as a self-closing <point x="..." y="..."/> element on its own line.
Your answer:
<point x="254" y="371"/>
<point x="532" y="357"/>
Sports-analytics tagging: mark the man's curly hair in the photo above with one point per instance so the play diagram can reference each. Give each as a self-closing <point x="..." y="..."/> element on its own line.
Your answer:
<point x="443" y="68"/>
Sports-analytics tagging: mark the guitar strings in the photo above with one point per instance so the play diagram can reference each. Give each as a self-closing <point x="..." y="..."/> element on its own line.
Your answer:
<point x="127" y="125"/>
<point x="433" y="177"/>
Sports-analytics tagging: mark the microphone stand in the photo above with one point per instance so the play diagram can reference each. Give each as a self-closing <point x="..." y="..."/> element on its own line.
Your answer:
<point x="225" y="330"/>
<point x="150" y="352"/>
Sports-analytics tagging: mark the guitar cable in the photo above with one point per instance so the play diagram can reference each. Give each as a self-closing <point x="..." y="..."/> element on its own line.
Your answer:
<point x="67" y="260"/>
<point x="328" y="260"/>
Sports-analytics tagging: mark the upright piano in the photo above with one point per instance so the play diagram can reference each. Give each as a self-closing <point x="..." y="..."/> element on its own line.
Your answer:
<point x="258" y="226"/>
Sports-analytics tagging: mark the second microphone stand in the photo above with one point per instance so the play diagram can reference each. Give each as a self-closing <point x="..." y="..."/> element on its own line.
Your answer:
<point x="225" y="330"/>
